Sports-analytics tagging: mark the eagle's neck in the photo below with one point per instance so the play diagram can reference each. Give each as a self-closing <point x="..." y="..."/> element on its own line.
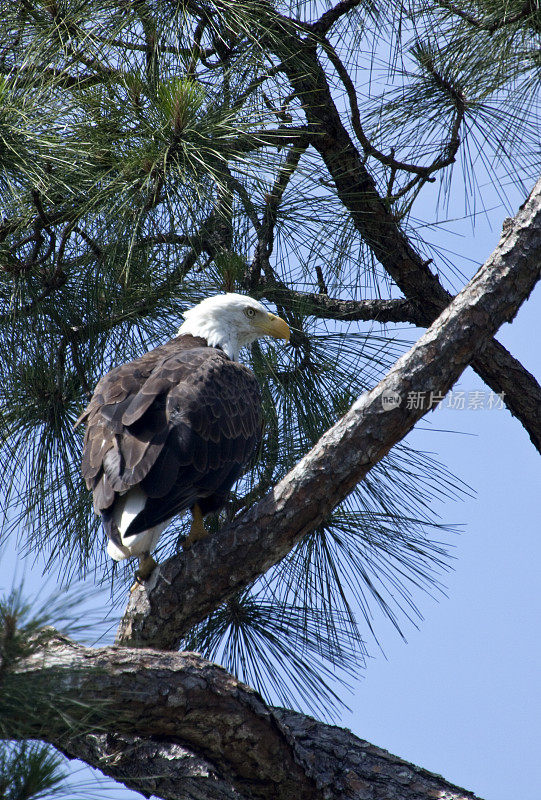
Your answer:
<point x="216" y="334"/>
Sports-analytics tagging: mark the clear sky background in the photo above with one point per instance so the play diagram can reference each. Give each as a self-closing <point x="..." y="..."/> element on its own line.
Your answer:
<point x="462" y="697"/>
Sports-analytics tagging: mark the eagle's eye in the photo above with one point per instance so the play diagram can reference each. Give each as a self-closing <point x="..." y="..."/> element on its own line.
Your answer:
<point x="250" y="312"/>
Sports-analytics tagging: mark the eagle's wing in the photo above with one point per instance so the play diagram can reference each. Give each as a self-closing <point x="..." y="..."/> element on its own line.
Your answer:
<point x="181" y="423"/>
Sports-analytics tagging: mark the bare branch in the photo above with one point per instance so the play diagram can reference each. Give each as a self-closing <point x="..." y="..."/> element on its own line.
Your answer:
<point x="423" y="172"/>
<point x="359" y="764"/>
<point x="494" y="364"/>
<point x="325" y="307"/>
<point x="153" y="766"/>
<point x="347" y="768"/>
<point x="181" y="698"/>
<point x="519" y="388"/>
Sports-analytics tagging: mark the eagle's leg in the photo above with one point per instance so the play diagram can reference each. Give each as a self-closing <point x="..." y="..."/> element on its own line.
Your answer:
<point x="147" y="565"/>
<point x="197" y="530"/>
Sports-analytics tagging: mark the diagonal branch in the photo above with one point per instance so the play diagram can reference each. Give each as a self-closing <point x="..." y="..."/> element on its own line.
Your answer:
<point x="200" y="732"/>
<point x="181" y="594"/>
<point x="371" y="216"/>
<point x="493" y="363"/>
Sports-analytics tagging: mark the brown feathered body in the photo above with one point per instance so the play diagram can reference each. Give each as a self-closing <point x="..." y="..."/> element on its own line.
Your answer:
<point x="173" y="428"/>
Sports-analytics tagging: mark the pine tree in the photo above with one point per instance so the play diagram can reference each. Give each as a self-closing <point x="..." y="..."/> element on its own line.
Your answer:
<point x="152" y="154"/>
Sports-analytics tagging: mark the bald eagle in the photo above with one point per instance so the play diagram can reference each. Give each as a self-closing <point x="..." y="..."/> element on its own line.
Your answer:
<point x="174" y="429"/>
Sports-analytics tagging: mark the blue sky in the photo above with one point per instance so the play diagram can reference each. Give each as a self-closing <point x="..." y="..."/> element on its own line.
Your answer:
<point x="462" y="696"/>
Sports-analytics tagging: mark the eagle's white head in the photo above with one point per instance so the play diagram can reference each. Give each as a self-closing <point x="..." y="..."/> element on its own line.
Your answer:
<point x="232" y="321"/>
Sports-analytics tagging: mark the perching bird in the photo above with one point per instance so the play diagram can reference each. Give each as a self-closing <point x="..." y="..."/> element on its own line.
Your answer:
<point x="174" y="429"/>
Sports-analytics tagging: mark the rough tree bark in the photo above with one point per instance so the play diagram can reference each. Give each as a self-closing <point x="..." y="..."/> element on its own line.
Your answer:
<point x="192" y="721"/>
<point x="201" y="733"/>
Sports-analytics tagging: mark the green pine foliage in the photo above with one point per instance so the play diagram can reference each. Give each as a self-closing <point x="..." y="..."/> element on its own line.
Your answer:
<point x="152" y="154"/>
<point x="34" y="771"/>
<point x="30" y="771"/>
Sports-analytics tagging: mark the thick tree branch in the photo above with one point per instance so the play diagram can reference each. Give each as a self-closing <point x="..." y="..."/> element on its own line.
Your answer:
<point x="200" y="732"/>
<point x="182" y="594"/>
<point x="181" y="699"/>
<point x="370" y="215"/>
<point x="493" y="363"/>
<point x="519" y="388"/>
<point x="153" y="766"/>
<point x="358" y="770"/>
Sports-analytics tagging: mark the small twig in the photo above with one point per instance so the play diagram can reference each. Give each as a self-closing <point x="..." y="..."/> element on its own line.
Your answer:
<point x="196" y="50"/>
<point x="265" y="239"/>
<point x="389" y="160"/>
<point x="233" y="183"/>
<point x="96" y="249"/>
<point x="320" y="280"/>
<point x="256" y="83"/>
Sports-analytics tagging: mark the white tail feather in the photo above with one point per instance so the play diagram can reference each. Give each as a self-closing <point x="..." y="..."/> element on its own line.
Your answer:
<point x="127" y="507"/>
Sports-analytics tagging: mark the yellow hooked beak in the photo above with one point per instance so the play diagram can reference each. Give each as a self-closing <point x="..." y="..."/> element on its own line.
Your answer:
<point x="275" y="326"/>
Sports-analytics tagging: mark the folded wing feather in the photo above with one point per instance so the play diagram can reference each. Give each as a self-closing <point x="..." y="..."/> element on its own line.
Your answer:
<point x="175" y="427"/>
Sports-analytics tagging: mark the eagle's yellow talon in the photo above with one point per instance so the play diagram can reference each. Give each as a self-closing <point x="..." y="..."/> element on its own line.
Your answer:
<point x="197" y="530"/>
<point x="147" y="565"/>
